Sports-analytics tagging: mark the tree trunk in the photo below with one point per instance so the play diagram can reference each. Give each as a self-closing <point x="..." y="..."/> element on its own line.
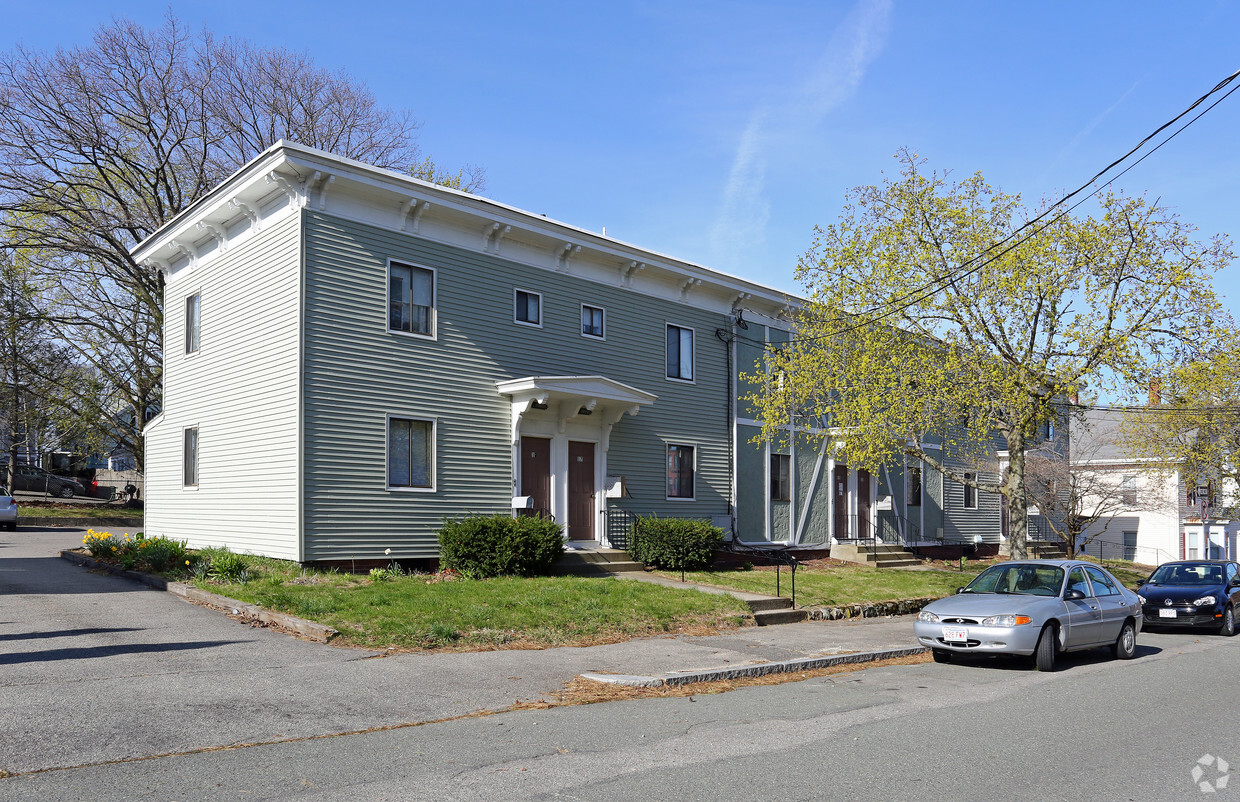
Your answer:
<point x="1018" y="504"/>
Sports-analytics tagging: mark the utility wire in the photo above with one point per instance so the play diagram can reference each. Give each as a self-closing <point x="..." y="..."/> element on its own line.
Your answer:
<point x="914" y="296"/>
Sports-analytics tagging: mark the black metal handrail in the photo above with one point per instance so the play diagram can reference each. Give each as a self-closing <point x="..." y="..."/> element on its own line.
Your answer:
<point x="777" y="556"/>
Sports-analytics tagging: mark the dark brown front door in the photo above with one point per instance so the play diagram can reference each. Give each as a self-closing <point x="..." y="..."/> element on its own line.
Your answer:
<point x="839" y="498"/>
<point x="863" y="503"/>
<point x="536" y="473"/>
<point x="580" y="491"/>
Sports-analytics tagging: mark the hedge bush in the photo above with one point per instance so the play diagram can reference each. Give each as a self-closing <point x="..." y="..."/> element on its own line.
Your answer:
<point x="674" y="543"/>
<point x="498" y="545"/>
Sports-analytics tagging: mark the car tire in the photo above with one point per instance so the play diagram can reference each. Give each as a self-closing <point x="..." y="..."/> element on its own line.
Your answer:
<point x="1044" y="654"/>
<point x="11" y="526"/>
<point x="1228" y="627"/>
<point x="941" y="655"/>
<point x="66" y="492"/>
<point x="1125" y="646"/>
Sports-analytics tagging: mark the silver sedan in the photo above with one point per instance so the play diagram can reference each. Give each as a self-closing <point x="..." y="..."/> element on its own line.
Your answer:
<point x="1036" y="608"/>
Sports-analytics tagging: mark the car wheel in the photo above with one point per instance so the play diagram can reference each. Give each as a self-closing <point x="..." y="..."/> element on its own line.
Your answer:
<point x="941" y="656"/>
<point x="1125" y="646"/>
<point x="12" y="526"/>
<point x="1044" y="654"/>
<point x="66" y="492"/>
<point x="1228" y="627"/>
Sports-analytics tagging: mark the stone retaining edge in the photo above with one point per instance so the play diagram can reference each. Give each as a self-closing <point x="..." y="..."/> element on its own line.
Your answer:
<point x="135" y="524"/>
<point x="307" y="629"/>
<point x="870" y="609"/>
<point x="755" y="670"/>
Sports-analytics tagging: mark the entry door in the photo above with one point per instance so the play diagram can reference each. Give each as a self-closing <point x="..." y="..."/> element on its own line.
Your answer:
<point x="536" y="473"/>
<point x="580" y="491"/>
<point x="863" y="503"/>
<point x="839" y="498"/>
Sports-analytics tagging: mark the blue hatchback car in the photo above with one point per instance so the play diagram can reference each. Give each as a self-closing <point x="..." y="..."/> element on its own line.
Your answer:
<point x="1192" y="593"/>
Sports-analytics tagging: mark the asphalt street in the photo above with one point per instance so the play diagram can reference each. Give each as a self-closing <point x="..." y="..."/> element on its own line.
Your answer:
<point x="157" y="676"/>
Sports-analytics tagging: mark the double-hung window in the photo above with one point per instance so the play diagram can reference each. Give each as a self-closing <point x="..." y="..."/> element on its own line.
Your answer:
<point x="411" y="299"/>
<point x="1128" y="490"/>
<point x="410" y="453"/>
<point x="193" y="316"/>
<point x="781" y="477"/>
<point x="679" y="353"/>
<point x="591" y="321"/>
<point x="970" y="492"/>
<point x="680" y="465"/>
<point x="527" y="308"/>
<point x="189" y="457"/>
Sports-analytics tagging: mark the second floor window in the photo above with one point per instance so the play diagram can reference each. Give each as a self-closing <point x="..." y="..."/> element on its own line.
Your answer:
<point x="189" y="457"/>
<point x="1128" y="490"/>
<point x="679" y="353"/>
<point x="193" y="314"/>
<point x="528" y="308"/>
<point x="591" y="321"/>
<point x="411" y="299"/>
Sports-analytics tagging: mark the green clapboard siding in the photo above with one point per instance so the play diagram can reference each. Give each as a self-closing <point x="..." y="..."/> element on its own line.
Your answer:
<point x="356" y="373"/>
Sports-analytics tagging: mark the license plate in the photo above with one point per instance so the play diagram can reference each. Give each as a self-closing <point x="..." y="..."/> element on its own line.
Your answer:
<point x="1165" y="613"/>
<point x="960" y="634"/>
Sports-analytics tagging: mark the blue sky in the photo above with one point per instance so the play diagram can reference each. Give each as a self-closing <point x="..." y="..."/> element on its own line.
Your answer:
<point x="722" y="132"/>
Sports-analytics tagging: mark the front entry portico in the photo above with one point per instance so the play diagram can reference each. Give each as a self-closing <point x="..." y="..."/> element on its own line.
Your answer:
<point x="571" y="417"/>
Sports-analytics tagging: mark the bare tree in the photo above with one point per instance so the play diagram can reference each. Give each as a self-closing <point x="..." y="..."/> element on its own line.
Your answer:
<point x="101" y="145"/>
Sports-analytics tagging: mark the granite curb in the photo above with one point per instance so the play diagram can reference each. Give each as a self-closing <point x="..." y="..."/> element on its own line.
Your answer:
<point x="78" y="523"/>
<point x="674" y="678"/>
<point x="252" y="612"/>
<point x="870" y="609"/>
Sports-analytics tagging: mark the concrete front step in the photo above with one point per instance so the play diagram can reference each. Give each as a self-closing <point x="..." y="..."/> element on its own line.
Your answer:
<point x="596" y="562"/>
<point x="883" y="556"/>
<point x="766" y="618"/>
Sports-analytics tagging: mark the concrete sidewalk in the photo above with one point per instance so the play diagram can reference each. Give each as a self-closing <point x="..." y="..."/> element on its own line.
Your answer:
<point x="96" y="668"/>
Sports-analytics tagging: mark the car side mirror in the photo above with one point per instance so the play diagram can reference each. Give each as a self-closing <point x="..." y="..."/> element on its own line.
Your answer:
<point x="1073" y="595"/>
<point x="1235" y="583"/>
<point x="1140" y="582"/>
<point x="959" y="591"/>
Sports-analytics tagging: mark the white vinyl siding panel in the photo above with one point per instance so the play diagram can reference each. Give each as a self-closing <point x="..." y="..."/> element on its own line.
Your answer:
<point x="357" y="374"/>
<point x="241" y="392"/>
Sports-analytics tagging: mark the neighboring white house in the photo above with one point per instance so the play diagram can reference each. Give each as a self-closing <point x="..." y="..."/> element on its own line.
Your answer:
<point x="1152" y="515"/>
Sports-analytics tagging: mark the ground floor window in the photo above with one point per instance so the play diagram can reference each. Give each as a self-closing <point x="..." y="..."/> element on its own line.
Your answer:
<point x="680" y="465"/>
<point x="410" y="453"/>
<point x="781" y="477"/>
<point x="189" y="457"/>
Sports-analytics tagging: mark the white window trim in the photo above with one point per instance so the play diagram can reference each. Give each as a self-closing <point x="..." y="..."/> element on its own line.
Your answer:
<point x="541" y="310"/>
<point x="599" y="337"/>
<point x="434" y="460"/>
<point x="197" y="457"/>
<point x="667" y="444"/>
<point x="185" y="311"/>
<point x="692" y="355"/>
<point x="387" y="301"/>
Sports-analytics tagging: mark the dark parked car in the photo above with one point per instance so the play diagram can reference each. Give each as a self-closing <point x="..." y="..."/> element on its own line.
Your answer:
<point x="1192" y="593"/>
<point x="38" y="480"/>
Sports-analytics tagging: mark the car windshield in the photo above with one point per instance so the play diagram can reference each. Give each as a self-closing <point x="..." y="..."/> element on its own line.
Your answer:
<point x="1199" y="574"/>
<point x="1031" y="580"/>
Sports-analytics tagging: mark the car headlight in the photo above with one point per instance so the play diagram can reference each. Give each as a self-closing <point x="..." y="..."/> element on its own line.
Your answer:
<point x="1006" y="620"/>
<point x="927" y="617"/>
<point x="1203" y="601"/>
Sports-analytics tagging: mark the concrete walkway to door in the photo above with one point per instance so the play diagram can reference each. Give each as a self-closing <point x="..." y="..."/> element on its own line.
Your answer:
<point x="96" y="668"/>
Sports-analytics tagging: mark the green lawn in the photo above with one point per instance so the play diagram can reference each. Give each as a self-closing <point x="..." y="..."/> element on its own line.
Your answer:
<point x="43" y="509"/>
<point x="417" y="612"/>
<point x="845" y="584"/>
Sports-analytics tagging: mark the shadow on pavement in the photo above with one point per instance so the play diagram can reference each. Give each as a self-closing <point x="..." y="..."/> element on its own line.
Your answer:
<point x="67" y="633"/>
<point x="42" y="576"/>
<point x="90" y="652"/>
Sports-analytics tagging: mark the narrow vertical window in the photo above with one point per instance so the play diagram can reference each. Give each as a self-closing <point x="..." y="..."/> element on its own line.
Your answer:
<point x="411" y="299"/>
<point x="970" y="492"/>
<point x="680" y="471"/>
<point x="410" y="453"/>
<point x="193" y="307"/>
<point x="1128" y="490"/>
<point x="679" y="353"/>
<point x="912" y="485"/>
<point x="781" y="477"/>
<point x="528" y="308"/>
<point x="189" y="457"/>
<point x="591" y="321"/>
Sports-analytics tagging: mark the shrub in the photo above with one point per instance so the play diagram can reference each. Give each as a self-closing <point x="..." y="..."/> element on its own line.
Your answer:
<point x="674" y="543"/>
<point x="228" y="567"/>
<point x="498" y="545"/>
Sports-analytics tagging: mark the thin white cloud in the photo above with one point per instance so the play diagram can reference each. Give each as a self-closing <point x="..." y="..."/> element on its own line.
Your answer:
<point x="1080" y="136"/>
<point x="740" y="224"/>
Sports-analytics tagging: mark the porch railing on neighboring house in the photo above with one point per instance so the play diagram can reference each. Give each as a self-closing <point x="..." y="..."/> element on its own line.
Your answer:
<point x="1103" y="549"/>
